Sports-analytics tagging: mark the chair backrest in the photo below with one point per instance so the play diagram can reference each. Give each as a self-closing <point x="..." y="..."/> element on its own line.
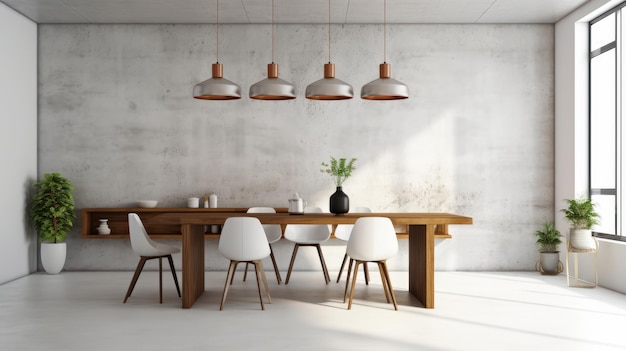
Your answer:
<point x="139" y="239"/>
<point x="272" y="231"/>
<point x="308" y="233"/>
<point x="243" y="239"/>
<point x="372" y="239"/>
<point x="342" y="231"/>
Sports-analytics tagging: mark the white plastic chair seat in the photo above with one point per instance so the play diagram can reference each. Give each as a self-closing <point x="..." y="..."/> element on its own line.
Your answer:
<point x="243" y="240"/>
<point x="308" y="235"/>
<point x="148" y="249"/>
<point x="373" y="239"/>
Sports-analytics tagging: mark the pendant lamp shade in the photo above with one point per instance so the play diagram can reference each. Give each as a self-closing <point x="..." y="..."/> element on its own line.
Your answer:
<point x="385" y="88"/>
<point x="272" y="87"/>
<point x="216" y="87"/>
<point x="329" y="87"/>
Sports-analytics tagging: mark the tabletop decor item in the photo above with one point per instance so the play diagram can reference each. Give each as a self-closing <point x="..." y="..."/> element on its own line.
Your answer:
<point x="340" y="169"/>
<point x="548" y="240"/>
<point x="52" y="215"/>
<point x="582" y="216"/>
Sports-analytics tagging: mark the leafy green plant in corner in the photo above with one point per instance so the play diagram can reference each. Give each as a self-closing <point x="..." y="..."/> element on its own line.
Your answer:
<point x="340" y="169"/>
<point x="581" y="213"/>
<point x="52" y="209"/>
<point x="548" y="238"/>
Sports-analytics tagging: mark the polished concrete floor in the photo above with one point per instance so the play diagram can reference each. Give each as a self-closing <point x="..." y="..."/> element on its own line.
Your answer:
<point x="474" y="311"/>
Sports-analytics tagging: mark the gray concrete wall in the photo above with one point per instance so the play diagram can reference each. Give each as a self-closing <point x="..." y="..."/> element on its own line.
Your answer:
<point x="18" y="142"/>
<point x="475" y="137"/>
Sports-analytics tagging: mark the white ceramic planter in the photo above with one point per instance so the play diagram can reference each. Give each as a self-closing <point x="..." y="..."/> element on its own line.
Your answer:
<point x="581" y="239"/>
<point x="549" y="262"/>
<point x="53" y="257"/>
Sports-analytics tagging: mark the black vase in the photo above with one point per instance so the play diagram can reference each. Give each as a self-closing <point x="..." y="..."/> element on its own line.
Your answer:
<point x="339" y="202"/>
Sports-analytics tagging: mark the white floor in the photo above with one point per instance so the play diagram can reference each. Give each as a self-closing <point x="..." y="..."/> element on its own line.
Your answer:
<point x="474" y="311"/>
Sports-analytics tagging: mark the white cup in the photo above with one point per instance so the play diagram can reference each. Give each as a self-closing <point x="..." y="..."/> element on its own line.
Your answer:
<point x="193" y="202"/>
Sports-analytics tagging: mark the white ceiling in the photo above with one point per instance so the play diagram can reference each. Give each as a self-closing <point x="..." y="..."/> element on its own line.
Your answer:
<point x="294" y="11"/>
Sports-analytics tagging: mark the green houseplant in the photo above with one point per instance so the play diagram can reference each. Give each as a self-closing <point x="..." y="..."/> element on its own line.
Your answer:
<point x="582" y="216"/>
<point x="52" y="215"/>
<point x="548" y="239"/>
<point x="340" y="169"/>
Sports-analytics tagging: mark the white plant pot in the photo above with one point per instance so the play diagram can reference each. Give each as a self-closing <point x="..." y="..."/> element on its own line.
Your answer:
<point x="53" y="257"/>
<point x="581" y="239"/>
<point x="549" y="263"/>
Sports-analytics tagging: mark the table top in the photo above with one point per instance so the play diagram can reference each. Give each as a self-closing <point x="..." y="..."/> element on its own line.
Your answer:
<point x="400" y="218"/>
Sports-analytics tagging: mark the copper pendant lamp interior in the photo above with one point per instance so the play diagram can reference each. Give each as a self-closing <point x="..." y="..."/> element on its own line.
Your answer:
<point x="272" y="87"/>
<point x="385" y="88"/>
<point x="329" y="87"/>
<point x="217" y="87"/>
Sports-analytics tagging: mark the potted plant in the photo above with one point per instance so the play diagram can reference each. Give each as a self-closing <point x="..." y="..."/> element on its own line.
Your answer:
<point x="52" y="214"/>
<point x="582" y="216"/>
<point x="548" y="240"/>
<point x="340" y="169"/>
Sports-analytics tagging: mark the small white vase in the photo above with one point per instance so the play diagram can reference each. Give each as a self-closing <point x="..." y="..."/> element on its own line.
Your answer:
<point x="581" y="239"/>
<point x="53" y="257"/>
<point x="103" y="228"/>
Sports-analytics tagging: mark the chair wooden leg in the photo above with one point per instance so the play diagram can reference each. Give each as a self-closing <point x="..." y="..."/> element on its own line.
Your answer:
<point x="140" y="264"/>
<point x="233" y="276"/>
<point x="366" y="272"/>
<point x="245" y="272"/>
<point x="229" y="277"/>
<point x="343" y="263"/>
<point x="258" y="285"/>
<point x="345" y="293"/>
<point x="356" y="271"/>
<point x="324" y="268"/>
<point x="169" y="258"/>
<point x="267" y="288"/>
<point x="278" y="278"/>
<point x="393" y="295"/>
<point x="293" y="258"/>
<point x="382" y="277"/>
<point x="160" y="279"/>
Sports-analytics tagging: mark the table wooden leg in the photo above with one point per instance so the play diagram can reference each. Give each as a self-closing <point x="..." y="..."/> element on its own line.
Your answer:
<point x="422" y="263"/>
<point x="193" y="263"/>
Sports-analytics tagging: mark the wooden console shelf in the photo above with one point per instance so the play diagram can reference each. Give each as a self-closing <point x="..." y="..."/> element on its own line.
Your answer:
<point x="118" y="222"/>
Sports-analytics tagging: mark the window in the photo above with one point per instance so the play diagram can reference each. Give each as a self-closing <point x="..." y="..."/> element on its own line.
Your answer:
<point x="605" y="161"/>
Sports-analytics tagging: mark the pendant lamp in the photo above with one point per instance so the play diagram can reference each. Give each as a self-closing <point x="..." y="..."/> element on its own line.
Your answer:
<point x="329" y="87"/>
<point x="384" y="88"/>
<point x="272" y="87"/>
<point x="217" y="87"/>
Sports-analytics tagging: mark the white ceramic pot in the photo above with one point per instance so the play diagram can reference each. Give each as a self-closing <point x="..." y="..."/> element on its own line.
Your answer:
<point x="581" y="239"/>
<point x="549" y="262"/>
<point x="53" y="257"/>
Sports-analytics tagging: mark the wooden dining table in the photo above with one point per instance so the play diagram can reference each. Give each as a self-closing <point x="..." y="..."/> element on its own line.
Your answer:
<point x="422" y="229"/>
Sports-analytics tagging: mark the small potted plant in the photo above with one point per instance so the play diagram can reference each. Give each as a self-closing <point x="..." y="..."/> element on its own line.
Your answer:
<point x="548" y="240"/>
<point x="340" y="169"/>
<point x="582" y="216"/>
<point x="52" y="214"/>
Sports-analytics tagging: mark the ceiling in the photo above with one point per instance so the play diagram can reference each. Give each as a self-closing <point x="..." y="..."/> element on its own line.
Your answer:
<point x="293" y="11"/>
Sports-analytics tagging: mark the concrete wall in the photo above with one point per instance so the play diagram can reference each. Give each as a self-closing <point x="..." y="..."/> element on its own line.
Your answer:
<point x="475" y="138"/>
<point x="572" y="131"/>
<point x="18" y="142"/>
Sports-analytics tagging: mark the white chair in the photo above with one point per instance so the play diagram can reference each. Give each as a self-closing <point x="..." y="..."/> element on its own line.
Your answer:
<point x="373" y="239"/>
<point x="148" y="249"/>
<point x="342" y="232"/>
<point x="273" y="234"/>
<point x="243" y="240"/>
<point x="308" y="235"/>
